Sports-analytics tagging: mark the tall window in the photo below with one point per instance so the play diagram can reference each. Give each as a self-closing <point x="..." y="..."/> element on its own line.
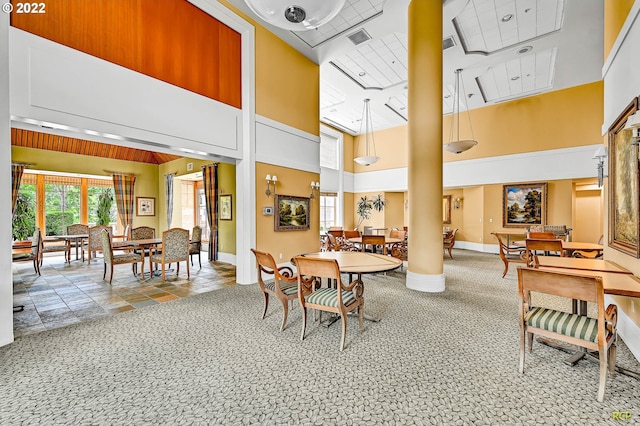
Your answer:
<point x="188" y="199"/>
<point x="62" y="203"/>
<point x="328" y="216"/>
<point x="329" y="152"/>
<point x="201" y="210"/>
<point x="95" y="189"/>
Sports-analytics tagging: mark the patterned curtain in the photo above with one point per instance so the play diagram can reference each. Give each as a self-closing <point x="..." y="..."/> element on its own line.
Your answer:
<point x="210" y="179"/>
<point x="168" y="188"/>
<point x="16" y="176"/>
<point x="123" y="186"/>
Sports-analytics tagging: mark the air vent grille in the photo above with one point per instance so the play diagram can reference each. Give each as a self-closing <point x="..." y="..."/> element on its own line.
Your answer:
<point x="359" y="37"/>
<point x="448" y="42"/>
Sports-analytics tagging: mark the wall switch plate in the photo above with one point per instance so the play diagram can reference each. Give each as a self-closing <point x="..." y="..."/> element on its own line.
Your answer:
<point x="267" y="211"/>
<point x="189" y="167"/>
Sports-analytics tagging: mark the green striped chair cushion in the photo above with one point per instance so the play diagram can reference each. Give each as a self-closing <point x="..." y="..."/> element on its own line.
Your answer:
<point x="574" y="325"/>
<point x="329" y="297"/>
<point x="287" y="288"/>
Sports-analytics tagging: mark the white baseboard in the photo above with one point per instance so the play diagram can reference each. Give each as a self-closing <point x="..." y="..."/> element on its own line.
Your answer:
<point x="627" y="329"/>
<point x="483" y="248"/>
<point x="227" y="257"/>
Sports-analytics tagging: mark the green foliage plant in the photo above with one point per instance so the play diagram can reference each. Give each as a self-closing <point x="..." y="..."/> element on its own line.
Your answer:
<point x="23" y="223"/>
<point x="105" y="200"/>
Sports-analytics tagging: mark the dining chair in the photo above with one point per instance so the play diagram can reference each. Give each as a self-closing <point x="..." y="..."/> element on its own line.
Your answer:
<point x="78" y="229"/>
<point x="283" y="285"/>
<point x="143" y="233"/>
<point x="598" y="334"/>
<point x="56" y="246"/>
<point x="94" y="242"/>
<point x="35" y="255"/>
<point x="542" y="235"/>
<point x="396" y="233"/>
<point x="195" y="246"/>
<point x="341" y="300"/>
<point x="175" y="248"/>
<point x="375" y="241"/>
<point x="534" y="246"/>
<point x="589" y="254"/>
<point x="449" y="240"/>
<point x="509" y="254"/>
<point x="117" y="259"/>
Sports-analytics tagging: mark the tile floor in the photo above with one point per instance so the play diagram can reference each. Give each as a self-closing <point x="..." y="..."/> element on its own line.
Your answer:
<point x="70" y="293"/>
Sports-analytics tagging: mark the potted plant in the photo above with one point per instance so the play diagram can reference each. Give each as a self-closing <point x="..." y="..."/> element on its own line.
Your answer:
<point x="364" y="207"/>
<point x="23" y="223"/>
<point x="105" y="200"/>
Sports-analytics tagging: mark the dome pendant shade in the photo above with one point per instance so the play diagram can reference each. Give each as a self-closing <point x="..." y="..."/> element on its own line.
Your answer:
<point x="457" y="146"/>
<point x="296" y="15"/>
<point x="367" y="159"/>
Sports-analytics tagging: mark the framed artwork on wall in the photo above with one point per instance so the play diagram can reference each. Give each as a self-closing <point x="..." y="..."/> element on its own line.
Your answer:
<point x="226" y="210"/>
<point x="145" y="206"/>
<point x="623" y="186"/>
<point x="524" y="205"/>
<point x="292" y="213"/>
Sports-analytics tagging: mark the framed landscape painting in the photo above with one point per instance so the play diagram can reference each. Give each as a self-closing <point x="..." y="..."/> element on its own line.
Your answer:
<point x="623" y="185"/>
<point x="292" y="213"/>
<point x="524" y="205"/>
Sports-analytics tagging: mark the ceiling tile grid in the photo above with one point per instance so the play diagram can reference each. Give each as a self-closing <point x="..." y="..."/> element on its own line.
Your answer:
<point x="353" y="13"/>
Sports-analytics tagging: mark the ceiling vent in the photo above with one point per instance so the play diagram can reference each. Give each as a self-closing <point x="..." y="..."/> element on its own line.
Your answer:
<point x="448" y="42"/>
<point x="359" y="37"/>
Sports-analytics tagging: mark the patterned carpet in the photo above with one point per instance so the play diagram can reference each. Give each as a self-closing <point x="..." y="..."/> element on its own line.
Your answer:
<point x="448" y="358"/>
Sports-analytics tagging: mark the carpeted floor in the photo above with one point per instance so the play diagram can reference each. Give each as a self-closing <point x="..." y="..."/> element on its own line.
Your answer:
<point x="448" y="358"/>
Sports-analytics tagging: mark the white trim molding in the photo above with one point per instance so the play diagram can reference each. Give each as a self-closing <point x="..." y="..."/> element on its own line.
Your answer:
<point x="627" y="329"/>
<point x="426" y="283"/>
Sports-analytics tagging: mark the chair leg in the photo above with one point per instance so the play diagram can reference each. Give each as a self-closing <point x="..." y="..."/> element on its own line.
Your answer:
<point x="177" y="268"/>
<point x="522" y="348"/>
<point x="266" y="304"/>
<point x="104" y="273"/>
<point x="611" y="359"/>
<point x="361" y="315"/>
<point x="450" y="252"/>
<point x="188" y="271"/>
<point x="530" y="341"/>
<point x="603" y="373"/>
<point x="199" y="261"/>
<point x="304" y="322"/>
<point x="163" y="279"/>
<point x="111" y="276"/>
<point x="343" y="315"/>
<point x="285" y="313"/>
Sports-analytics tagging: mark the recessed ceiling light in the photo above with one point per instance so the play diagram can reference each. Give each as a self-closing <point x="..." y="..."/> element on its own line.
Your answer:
<point x="362" y="73"/>
<point x="515" y="78"/>
<point x="507" y="17"/>
<point x="524" y="49"/>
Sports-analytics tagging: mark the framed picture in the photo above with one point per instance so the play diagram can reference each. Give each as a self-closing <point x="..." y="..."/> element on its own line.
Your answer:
<point x="145" y="206"/>
<point x="292" y="213"/>
<point x="623" y="185"/>
<point x="524" y="205"/>
<point x="446" y="209"/>
<point x="225" y="207"/>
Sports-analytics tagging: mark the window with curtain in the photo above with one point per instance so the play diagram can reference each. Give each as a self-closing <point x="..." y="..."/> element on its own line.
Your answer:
<point x="329" y="152"/>
<point x="328" y="216"/>
<point x="188" y="199"/>
<point x="95" y="187"/>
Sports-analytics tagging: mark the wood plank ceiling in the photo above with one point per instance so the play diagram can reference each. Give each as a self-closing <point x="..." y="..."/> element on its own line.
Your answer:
<point x="47" y="141"/>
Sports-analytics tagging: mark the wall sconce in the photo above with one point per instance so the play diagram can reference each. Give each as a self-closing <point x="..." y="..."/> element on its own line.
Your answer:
<point x="457" y="203"/>
<point x="315" y="189"/>
<point x="601" y="155"/>
<point x="271" y="180"/>
<point x="633" y="124"/>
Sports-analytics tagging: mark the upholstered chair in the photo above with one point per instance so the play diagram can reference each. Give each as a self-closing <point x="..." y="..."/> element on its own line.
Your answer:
<point x="175" y="248"/>
<point x="117" y="259"/>
<point x="195" y="246"/>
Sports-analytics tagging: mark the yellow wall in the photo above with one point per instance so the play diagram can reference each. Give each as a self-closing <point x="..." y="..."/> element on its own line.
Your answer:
<point x="287" y="83"/>
<point x="588" y="218"/>
<point x="457" y="215"/>
<point x="391" y="146"/>
<point x="146" y="174"/>
<point x="615" y="13"/>
<point x="347" y="149"/>
<point x="349" y="208"/>
<point x="288" y="243"/>
<point x="393" y="210"/>
<point x="472" y="215"/>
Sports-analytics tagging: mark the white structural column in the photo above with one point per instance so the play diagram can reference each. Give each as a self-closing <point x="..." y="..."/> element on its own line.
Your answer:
<point x="425" y="272"/>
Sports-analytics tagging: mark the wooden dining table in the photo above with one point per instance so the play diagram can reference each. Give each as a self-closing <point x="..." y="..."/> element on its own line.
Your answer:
<point x="354" y="262"/>
<point x="576" y="264"/>
<point x="387" y="240"/>
<point x="143" y="244"/>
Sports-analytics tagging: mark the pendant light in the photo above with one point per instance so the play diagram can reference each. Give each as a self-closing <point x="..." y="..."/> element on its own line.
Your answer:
<point x="457" y="146"/>
<point x="299" y="16"/>
<point x="367" y="159"/>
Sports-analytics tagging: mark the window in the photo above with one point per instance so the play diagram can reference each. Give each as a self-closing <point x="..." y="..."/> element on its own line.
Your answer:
<point x="188" y="199"/>
<point x="329" y="152"/>
<point x="328" y="202"/>
<point x="62" y="203"/>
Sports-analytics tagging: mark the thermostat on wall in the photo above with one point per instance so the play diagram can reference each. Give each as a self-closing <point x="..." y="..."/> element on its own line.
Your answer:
<point x="267" y="211"/>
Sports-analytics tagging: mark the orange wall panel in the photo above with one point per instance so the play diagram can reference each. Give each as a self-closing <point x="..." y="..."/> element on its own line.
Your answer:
<point x="170" y="40"/>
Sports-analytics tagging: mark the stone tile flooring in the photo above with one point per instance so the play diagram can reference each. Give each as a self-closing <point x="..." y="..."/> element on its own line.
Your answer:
<point x="70" y="293"/>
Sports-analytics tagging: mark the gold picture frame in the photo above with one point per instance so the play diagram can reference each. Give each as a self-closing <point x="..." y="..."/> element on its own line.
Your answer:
<point x="446" y="209"/>
<point x="524" y="205"/>
<point x="292" y="213"/>
<point x="624" y="225"/>
<point x="145" y="206"/>
<point x="226" y="207"/>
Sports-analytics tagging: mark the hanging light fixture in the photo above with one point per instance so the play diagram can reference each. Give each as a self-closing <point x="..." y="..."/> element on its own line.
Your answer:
<point x="301" y="16"/>
<point x="367" y="159"/>
<point x="457" y="146"/>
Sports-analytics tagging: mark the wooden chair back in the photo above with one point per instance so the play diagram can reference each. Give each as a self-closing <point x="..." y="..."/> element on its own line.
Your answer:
<point x="542" y="235"/>
<point x="535" y="246"/>
<point x="351" y="234"/>
<point x="549" y="322"/>
<point x="395" y="233"/>
<point x="338" y="233"/>
<point x="374" y="241"/>
<point x="509" y="254"/>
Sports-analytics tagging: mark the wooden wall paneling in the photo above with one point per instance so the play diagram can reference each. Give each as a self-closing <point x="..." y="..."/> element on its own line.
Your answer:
<point x="171" y="40"/>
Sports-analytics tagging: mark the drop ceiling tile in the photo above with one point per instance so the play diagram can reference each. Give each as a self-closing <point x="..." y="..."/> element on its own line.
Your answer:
<point x="481" y="28"/>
